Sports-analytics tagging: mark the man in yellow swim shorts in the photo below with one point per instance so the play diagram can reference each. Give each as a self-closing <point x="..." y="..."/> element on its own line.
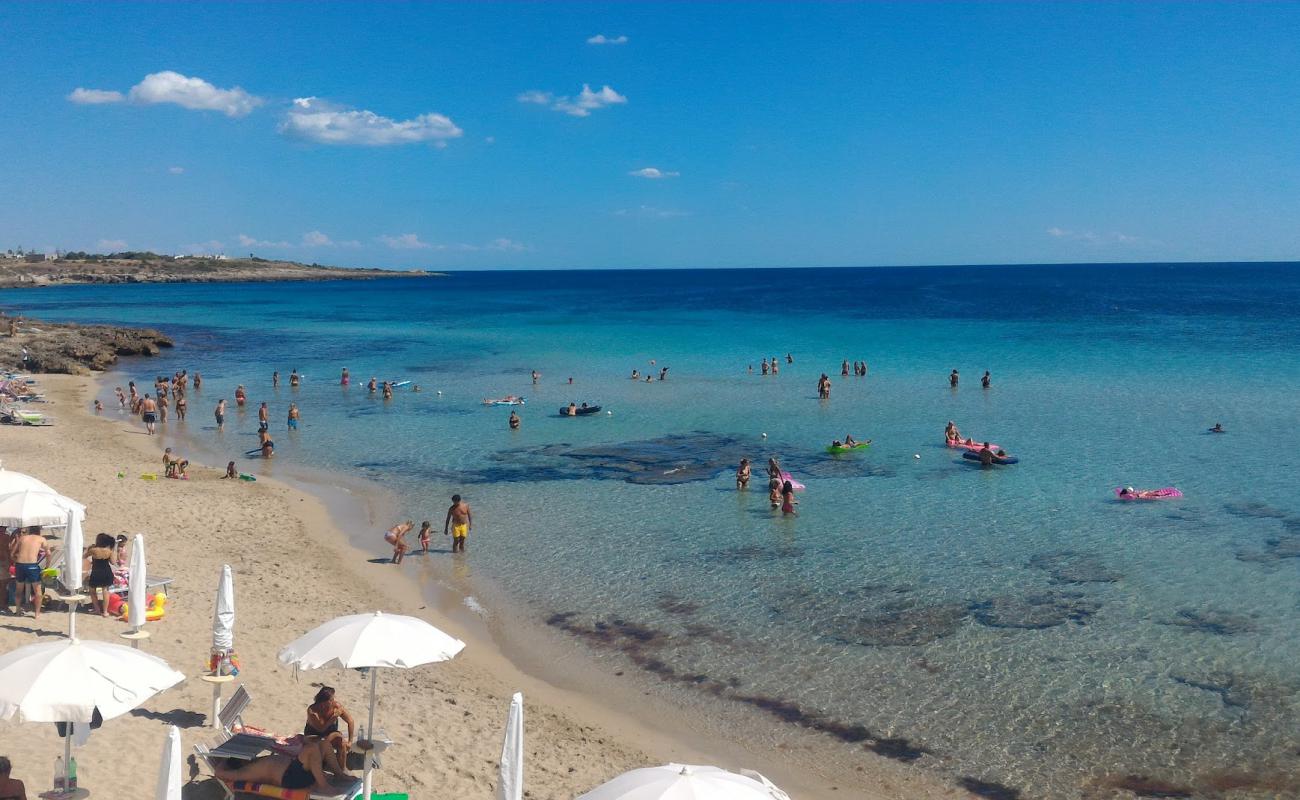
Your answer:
<point x="460" y="520"/>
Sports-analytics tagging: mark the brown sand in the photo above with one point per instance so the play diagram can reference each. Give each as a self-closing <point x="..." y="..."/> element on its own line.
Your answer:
<point x="293" y="570"/>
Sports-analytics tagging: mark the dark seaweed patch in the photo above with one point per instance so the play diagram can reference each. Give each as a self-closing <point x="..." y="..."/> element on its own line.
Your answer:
<point x="1254" y="510"/>
<point x="902" y="623"/>
<point x="993" y="791"/>
<point x="1067" y="566"/>
<point x="1212" y="620"/>
<point x="1034" y="611"/>
<point x="1225" y="686"/>
<point x="1143" y="786"/>
<point x="635" y="641"/>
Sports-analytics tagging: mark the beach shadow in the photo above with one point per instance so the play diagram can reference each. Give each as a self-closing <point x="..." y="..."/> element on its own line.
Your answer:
<point x="179" y="717"/>
<point x="35" y="631"/>
<point x="382" y="560"/>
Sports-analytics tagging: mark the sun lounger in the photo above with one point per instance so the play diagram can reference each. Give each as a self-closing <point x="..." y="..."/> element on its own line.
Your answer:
<point x="232" y="789"/>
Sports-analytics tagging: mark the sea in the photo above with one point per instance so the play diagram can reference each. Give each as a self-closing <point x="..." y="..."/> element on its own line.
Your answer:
<point x="1017" y="630"/>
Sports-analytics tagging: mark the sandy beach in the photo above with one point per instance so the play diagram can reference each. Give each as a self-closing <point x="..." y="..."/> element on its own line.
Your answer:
<point x="293" y="570"/>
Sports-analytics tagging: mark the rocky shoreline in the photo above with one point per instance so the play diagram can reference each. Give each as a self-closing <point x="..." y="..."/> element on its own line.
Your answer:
<point x="70" y="349"/>
<point x="22" y="274"/>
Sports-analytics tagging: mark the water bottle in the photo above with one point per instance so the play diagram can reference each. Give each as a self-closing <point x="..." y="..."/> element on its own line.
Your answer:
<point x="60" y="775"/>
<point x="72" y="773"/>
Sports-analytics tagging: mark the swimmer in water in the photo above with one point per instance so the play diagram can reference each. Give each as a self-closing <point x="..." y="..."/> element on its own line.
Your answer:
<point x="1218" y="428"/>
<point x="952" y="379"/>
<point x="987" y="380"/>
<point x="345" y="379"/>
<point x="774" y="493"/>
<point x="514" y="421"/>
<point x="742" y="474"/>
<point x="787" y="499"/>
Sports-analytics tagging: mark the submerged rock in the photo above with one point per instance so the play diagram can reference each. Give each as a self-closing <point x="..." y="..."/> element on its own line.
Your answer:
<point x="1068" y="566"/>
<point x="1212" y="620"/>
<point x="903" y="623"/>
<point x="1255" y="510"/>
<point x="1034" y="611"/>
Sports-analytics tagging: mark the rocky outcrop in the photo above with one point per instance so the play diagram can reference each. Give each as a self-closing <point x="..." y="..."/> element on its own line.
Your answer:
<point x="74" y="349"/>
<point x="18" y="274"/>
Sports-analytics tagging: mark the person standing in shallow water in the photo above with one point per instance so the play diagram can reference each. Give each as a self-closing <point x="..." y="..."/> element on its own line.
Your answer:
<point x="514" y="421"/>
<point x="345" y="379"/>
<point x="987" y="380"/>
<point x="952" y="379"/>
<point x="220" y="414"/>
<point x="460" y="519"/>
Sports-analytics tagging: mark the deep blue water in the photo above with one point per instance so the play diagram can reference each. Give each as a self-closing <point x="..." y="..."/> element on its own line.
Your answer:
<point x="1001" y="625"/>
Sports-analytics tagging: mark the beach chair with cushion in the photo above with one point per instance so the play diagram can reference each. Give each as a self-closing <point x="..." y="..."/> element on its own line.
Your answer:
<point x="233" y="789"/>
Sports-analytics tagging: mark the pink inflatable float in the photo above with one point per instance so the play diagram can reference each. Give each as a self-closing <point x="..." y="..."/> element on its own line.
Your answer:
<point x="1166" y="493"/>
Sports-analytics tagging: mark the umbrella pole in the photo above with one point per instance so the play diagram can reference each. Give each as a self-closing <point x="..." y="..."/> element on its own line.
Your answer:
<point x="67" y="756"/>
<point x="368" y="780"/>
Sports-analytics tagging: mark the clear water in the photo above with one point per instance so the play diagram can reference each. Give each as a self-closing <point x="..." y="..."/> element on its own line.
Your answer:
<point x="1017" y="626"/>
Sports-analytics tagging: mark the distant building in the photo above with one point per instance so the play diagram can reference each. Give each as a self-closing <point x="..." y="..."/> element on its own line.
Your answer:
<point x="33" y="258"/>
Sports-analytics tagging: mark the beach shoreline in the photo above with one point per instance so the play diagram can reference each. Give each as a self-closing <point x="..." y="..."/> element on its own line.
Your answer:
<point x="621" y="736"/>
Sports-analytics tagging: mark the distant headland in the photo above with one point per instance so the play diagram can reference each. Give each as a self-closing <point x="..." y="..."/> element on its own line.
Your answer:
<point x="19" y="269"/>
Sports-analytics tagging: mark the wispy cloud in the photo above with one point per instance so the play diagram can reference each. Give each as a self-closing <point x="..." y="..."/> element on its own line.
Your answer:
<point x="110" y="245"/>
<point x="320" y="121"/>
<point x="316" y="239"/>
<point x="248" y="241"/>
<point x="195" y="94"/>
<point x="654" y="173"/>
<point x="95" y="97"/>
<point x="651" y="212"/>
<point x="582" y="105"/>
<point x="405" y="241"/>
<point x="176" y="170"/>
<point x="601" y="38"/>
<point x="1093" y="237"/>
<point x="412" y="241"/>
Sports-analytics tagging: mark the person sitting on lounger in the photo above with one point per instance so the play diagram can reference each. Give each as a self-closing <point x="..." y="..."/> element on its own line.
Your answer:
<point x="304" y="771"/>
<point x="323" y="717"/>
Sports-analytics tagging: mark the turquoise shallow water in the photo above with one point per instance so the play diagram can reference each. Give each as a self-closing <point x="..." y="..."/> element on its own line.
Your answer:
<point x="1014" y="626"/>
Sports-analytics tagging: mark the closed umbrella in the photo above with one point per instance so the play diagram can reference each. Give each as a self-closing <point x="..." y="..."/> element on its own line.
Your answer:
<point x="683" y="782"/>
<point x="72" y="546"/>
<point x="137" y="597"/>
<point x="366" y="641"/>
<point x="169" y="771"/>
<point x="27" y="507"/>
<point x="510" y="786"/>
<point x="223" y="614"/>
<point x="73" y="681"/>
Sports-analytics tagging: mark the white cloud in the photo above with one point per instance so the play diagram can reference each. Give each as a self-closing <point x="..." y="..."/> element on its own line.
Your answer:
<point x="1092" y="237"/>
<point x="176" y="170"/>
<point x="601" y="38"/>
<point x="535" y="96"/>
<point x="316" y="239"/>
<point x="405" y="241"/>
<point x="319" y="121"/>
<point x="654" y="173"/>
<point x="195" y="94"/>
<point x="580" y="106"/>
<point x="110" y="245"/>
<point x="506" y="245"/>
<point x="94" y="97"/>
<point x="651" y="212"/>
<point x="249" y="241"/>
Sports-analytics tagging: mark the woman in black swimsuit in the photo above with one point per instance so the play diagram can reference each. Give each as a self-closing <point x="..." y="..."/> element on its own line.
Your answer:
<point x="101" y="571"/>
<point x="306" y="771"/>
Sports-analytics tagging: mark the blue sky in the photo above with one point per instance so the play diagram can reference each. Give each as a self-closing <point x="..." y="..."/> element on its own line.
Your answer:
<point x="460" y="136"/>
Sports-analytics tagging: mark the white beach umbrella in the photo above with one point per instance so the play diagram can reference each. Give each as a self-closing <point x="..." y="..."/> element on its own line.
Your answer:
<point x="223" y="613"/>
<point x="68" y="680"/>
<point x="510" y="785"/>
<point x="169" y="771"/>
<point x="33" y="507"/>
<point x="11" y="482"/>
<point x="137" y="594"/>
<point x="371" y="640"/>
<point x="683" y="782"/>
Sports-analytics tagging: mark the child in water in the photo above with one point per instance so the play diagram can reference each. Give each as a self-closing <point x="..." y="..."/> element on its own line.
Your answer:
<point x="774" y="493"/>
<point x="426" y="530"/>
